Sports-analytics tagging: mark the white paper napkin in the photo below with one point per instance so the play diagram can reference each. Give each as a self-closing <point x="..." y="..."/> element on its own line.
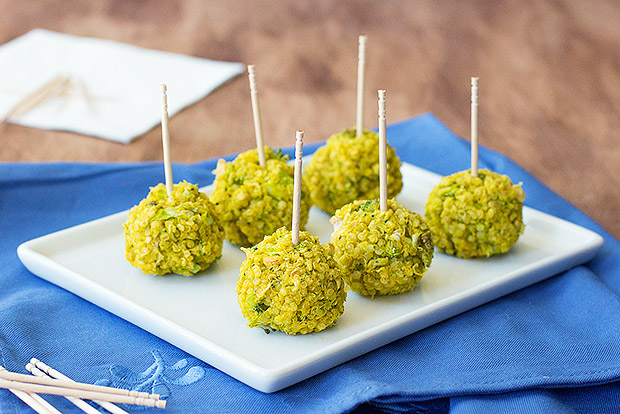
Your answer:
<point x="114" y="90"/>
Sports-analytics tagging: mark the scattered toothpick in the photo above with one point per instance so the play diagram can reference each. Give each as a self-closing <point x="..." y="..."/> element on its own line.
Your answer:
<point x="382" y="154"/>
<point x="45" y="385"/>
<point x="52" y="89"/>
<point x="474" y="127"/>
<point x="46" y="370"/>
<point x="75" y="401"/>
<point x="258" y="126"/>
<point x="361" y="64"/>
<point x="299" y="145"/>
<point x="165" y="139"/>
<point x="90" y="395"/>
<point x="33" y="400"/>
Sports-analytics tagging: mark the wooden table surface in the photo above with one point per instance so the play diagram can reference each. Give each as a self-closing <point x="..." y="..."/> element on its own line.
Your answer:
<point x="549" y="77"/>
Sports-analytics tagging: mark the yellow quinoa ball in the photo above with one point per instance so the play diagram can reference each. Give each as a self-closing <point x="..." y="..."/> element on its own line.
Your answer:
<point x="253" y="201"/>
<point x="177" y="234"/>
<point x="381" y="252"/>
<point x="475" y="216"/>
<point x="346" y="169"/>
<point x="293" y="289"/>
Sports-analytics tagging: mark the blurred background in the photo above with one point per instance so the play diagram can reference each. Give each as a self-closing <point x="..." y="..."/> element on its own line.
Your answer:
<point x="549" y="78"/>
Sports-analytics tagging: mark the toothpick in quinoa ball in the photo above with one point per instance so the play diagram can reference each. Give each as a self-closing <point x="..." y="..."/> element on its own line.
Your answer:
<point x="346" y="168"/>
<point x="381" y="247"/>
<point x="254" y="193"/>
<point x="475" y="213"/>
<point x="174" y="229"/>
<point x="289" y="281"/>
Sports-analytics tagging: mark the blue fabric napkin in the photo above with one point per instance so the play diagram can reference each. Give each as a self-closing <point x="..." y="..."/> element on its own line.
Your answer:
<point x="552" y="347"/>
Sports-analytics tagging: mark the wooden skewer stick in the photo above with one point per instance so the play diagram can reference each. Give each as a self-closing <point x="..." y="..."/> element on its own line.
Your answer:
<point x="299" y="150"/>
<point x="361" y="65"/>
<point x="165" y="139"/>
<point x="258" y="125"/>
<point x="474" y="127"/>
<point x="76" y="401"/>
<point x="47" y="370"/>
<point x="72" y="392"/>
<point x="382" y="154"/>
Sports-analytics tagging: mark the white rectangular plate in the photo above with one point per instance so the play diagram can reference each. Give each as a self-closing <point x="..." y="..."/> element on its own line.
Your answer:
<point x="201" y="316"/>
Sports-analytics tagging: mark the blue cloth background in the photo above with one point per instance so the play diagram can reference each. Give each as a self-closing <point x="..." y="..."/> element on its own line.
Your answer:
<point x="552" y="347"/>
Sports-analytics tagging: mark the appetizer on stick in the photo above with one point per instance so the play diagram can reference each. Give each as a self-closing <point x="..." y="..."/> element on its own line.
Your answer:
<point x="174" y="229"/>
<point x="289" y="281"/>
<point x="475" y="213"/>
<point x="346" y="168"/>
<point x="253" y="194"/>
<point x="381" y="247"/>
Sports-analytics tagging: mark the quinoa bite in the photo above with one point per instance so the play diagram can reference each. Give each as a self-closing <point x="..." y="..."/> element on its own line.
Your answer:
<point x="381" y="252"/>
<point x="253" y="201"/>
<point x="475" y="216"/>
<point x="177" y="234"/>
<point x="293" y="289"/>
<point x="346" y="169"/>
